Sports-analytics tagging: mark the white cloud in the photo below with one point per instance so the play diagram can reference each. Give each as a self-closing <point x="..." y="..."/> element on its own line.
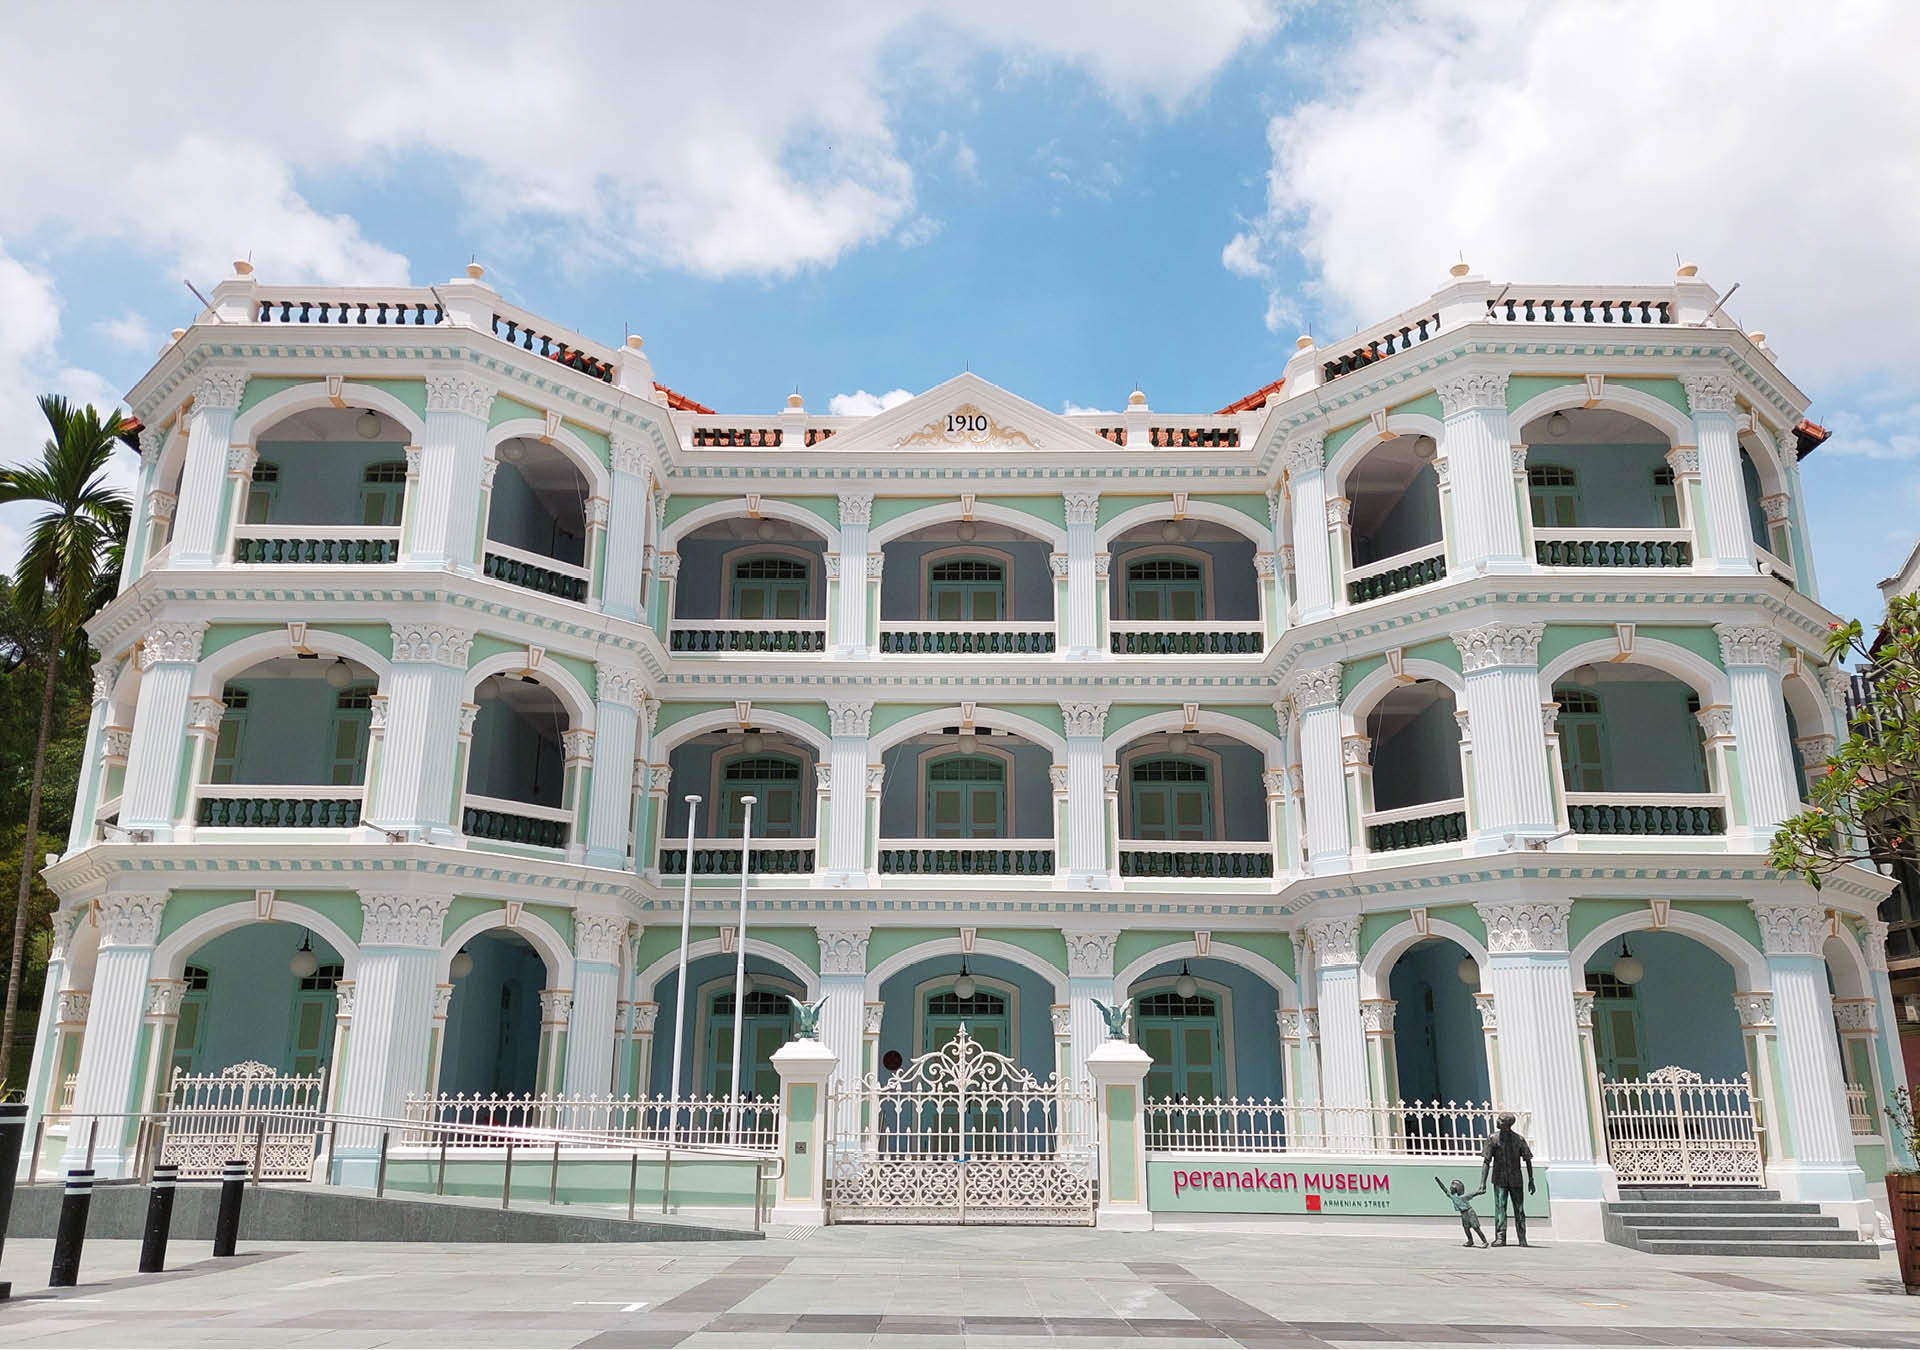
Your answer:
<point x="1241" y="256"/>
<point x="1072" y="409"/>
<point x="1885" y="433"/>
<point x="862" y="404"/>
<point x="130" y="330"/>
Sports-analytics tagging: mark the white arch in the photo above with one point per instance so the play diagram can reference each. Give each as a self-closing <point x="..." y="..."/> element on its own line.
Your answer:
<point x="1762" y="450"/>
<point x="941" y="512"/>
<point x="170" y="956"/>
<point x="997" y="719"/>
<point x="576" y="451"/>
<point x="719" y="719"/>
<point x="540" y="935"/>
<point x="1675" y="425"/>
<point x="1249" y="733"/>
<point x="1705" y="678"/>
<point x="1282" y="984"/>
<point x="1749" y="966"/>
<point x="552" y="675"/>
<point x="211" y="675"/>
<point x="1376" y="969"/>
<point x="1379" y="683"/>
<point x="950" y="946"/>
<point x="1237" y="521"/>
<point x="1812" y="714"/>
<point x="647" y="979"/>
<point x="734" y="508"/>
<point x="1852" y="976"/>
<point x="1362" y="443"/>
<point x="261" y="418"/>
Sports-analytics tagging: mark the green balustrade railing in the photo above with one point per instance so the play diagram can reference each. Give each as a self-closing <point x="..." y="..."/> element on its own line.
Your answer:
<point x="1177" y="643"/>
<point x="965" y="642"/>
<point x="698" y="641"/>
<point x="1629" y="818"/>
<point x="316" y="550"/>
<point x="1613" y="552"/>
<point x="967" y="862"/>
<point x="1449" y="827"/>
<point x="1412" y="576"/>
<point x="281" y="813"/>
<point x="770" y="861"/>
<point x="1223" y="865"/>
<point x="506" y="828"/>
<point x="535" y="578"/>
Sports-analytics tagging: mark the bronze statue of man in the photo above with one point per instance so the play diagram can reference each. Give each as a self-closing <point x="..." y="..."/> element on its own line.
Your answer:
<point x="1503" y="1156"/>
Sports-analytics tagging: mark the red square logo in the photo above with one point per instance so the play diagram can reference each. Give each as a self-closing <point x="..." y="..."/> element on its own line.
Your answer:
<point x="1313" y="1204"/>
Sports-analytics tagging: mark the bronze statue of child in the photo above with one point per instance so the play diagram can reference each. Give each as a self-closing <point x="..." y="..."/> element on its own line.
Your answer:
<point x="1463" y="1206"/>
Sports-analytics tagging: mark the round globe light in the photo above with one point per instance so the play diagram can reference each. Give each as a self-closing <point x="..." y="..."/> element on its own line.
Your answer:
<point x="303" y="963"/>
<point x="963" y="987"/>
<point x="1468" y="971"/>
<point x="462" y="965"/>
<point x="339" y="674"/>
<point x="367" y="424"/>
<point x="1559" y="425"/>
<point x="1629" y="970"/>
<point x="1170" y="531"/>
<point x="967" y="530"/>
<point x="1186" y="986"/>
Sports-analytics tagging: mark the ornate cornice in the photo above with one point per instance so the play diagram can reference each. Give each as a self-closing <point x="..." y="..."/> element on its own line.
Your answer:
<point x="1716" y="721"/>
<point x="599" y="937"/>
<point x="850" y="719"/>
<point x="556" y="1007"/>
<point x="629" y="456"/>
<point x="1376" y="1015"/>
<point x="1499" y="644"/>
<point x="1478" y="389"/>
<point x="1336" y="942"/>
<point x="220" y="387"/>
<point x="241" y="459"/>
<point x="436" y="644"/>
<point x="1855" y="1014"/>
<point x="161" y="506"/>
<point x="1754" y="1010"/>
<point x="1710" y="392"/>
<point x="1090" y="955"/>
<point x="1305" y="454"/>
<point x="1684" y="460"/>
<point x="459" y="394"/>
<point x="1750" y="645"/>
<point x="843" y="951"/>
<point x="1083" y="508"/>
<point x="1085" y="719"/>
<point x="172" y="642"/>
<point x="130" y="920"/>
<point x="856" y="508"/>
<point x="73" y="1007"/>
<point x="622" y="685"/>
<point x="1526" y="927"/>
<point x="1318" y="687"/>
<point x="646" y="1016"/>
<point x="403" y="920"/>
<point x="1790" y="929"/>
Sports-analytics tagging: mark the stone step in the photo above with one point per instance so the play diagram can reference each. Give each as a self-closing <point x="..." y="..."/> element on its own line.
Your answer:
<point x="1777" y="1247"/>
<point x="1743" y="1232"/>
<point x="1696" y="1193"/>
<point x="1714" y="1207"/>
<point x="1756" y="1218"/>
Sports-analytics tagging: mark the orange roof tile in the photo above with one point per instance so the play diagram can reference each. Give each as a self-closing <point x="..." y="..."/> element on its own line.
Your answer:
<point x="1257" y="399"/>
<point x="681" y="403"/>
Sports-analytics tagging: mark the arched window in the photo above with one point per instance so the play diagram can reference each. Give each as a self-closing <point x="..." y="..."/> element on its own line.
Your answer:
<point x="261" y="492"/>
<point x="1183" y="1036"/>
<point x="983" y="1013"/>
<point x="1666" y="499"/>
<point x="1582" y="741"/>
<point x="1166" y="588"/>
<point x="967" y="590"/>
<point x="967" y="797"/>
<point x="767" y="1025"/>
<point x="383" y="490"/>
<point x="774" y="782"/>
<point x="1172" y="798"/>
<point x="769" y="588"/>
<point x="1553" y="495"/>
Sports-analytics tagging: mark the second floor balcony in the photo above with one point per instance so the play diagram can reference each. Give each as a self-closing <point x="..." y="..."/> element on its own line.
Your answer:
<point x="966" y="803"/>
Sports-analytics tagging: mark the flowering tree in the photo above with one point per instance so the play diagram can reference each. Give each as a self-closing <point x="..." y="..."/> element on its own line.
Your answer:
<point x="1867" y="807"/>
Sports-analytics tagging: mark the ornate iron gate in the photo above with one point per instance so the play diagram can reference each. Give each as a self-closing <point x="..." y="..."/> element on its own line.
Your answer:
<point x="1679" y="1129"/>
<point x="248" y="1111"/>
<point x="961" y="1135"/>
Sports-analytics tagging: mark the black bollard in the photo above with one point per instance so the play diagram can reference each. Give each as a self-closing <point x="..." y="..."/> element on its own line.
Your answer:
<point x="72" y="1233"/>
<point x="233" y="1188"/>
<point x="13" y="1125"/>
<point x="153" y="1243"/>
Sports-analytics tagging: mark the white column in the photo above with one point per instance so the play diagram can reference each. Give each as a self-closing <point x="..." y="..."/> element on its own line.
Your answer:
<point x="196" y="530"/>
<point x="845" y="863"/>
<point x="167" y="657"/>
<point x="240" y="462"/>
<point x="110" y="1068"/>
<point x="1726" y="544"/>
<point x="1343" y="1047"/>
<point x="1083" y="512"/>
<point x="1316" y="700"/>
<point x="1812" y="1089"/>
<point x="856" y="512"/>
<point x="1513" y="786"/>
<point x="626" y="530"/>
<point x="1084" y="860"/>
<point x="395" y="986"/>
<point x="843" y="1016"/>
<point x="1751" y="654"/>
<point x="1089" y="977"/>
<point x="45" y="1072"/>
<point x="446" y="519"/>
<point x="1477" y="446"/>
<point x="1312" y="560"/>
<point x="148" y="531"/>
<point x="598" y="940"/>
<point x="617" y="702"/>
<point x="93" y="765"/>
<point x="425" y="700"/>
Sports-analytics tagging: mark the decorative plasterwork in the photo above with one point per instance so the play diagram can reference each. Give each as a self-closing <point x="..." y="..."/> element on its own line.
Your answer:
<point x="599" y="510"/>
<point x="1874" y="941"/>
<point x="74" y="1006"/>
<point x="1057" y="777"/>
<point x="1526" y="927"/>
<point x="876" y="563"/>
<point x="1710" y="392"/>
<point x="629" y="456"/>
<point x="172" y="642"/>
<point x="442" y="1001"/>
<point x="115" y="742"/>
<point x="599" y="937"/>
<point x="1776" y="507"/>
<point x="1083" y="508"/>
<point x="1376" y="1016"/>
<point x="1085" y="719"/>
<point x="1110" y="780"/>
<point x="403" y="920"/>
<point x="1463" y="723"/>
<point x="151" y="441"/>
<point x="220" y="387"/>
<point x="1265" y="565"/>
<point x="1791" y="930"/>
<point x="1090" y="954"/>
<point x="850" y="719"/>
<point x="556" y="1007"/>
<point x="1750" y="645"/>
<point x="1356" y="751"/>
<point x="1499" y="644"/>
<point x="1291" y="1023"/>
<point x="1336" y="942"/>
<point x="876" y="775"/>
<point x="1478" y="389"/>
<point x="622" y="685"/>
<point x="1061" y="1015"/>
<point x="1274" y="781"/>
<point x="1339" y="513"/>
<point x="469" y="714"/>
<point x="1754" y="1010"/>
<point x="161" y="506"/>
<point x="204" y="715"/>
<point x="1716" y="722"/>
<point x="843" y="951"/>
<point x="1815" y="751"/>
<point x="666" y="565"/>
<point x="241" y="459"/>
<point x="1583" y="1009"/>
<point x="343" y="1000"/>
<point x="1489" y="1012"/>
<point x="1684" y="460"/>
<point x="1315" y="688"/>
<point x="577" y="744"/>
<point x="969" y="427"/>
<point x="1057" y="564"/>
<point x="459" y="394"/>
<point x="63" y="922"/>
<point x="435" y="644"/>
<point x="823" y="776"/>
<point x="130" y="920"/>
<point x="1854" y="1014"/>
<point x="645" y="1017"/>
<point x="1305" y="454"/>
<point x="856" y="508"/>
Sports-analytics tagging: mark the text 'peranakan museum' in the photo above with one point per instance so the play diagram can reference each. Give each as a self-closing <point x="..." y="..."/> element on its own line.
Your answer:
<point x="1398" y="744"/>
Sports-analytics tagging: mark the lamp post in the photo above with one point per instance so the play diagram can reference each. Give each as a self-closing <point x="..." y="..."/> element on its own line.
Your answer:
<point x="680" y="986"/>
<point x="740" y="960"/>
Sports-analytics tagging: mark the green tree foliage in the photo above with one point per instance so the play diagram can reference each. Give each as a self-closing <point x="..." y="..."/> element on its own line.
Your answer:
<point x="1866" y="808"/>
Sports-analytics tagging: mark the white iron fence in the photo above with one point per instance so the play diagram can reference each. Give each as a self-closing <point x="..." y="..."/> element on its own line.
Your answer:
<point x="250" y="1112"/>
<point x="750" y="1124"/>
<point x="1410" y="1129"/>
<point x="1677" y="1128"/>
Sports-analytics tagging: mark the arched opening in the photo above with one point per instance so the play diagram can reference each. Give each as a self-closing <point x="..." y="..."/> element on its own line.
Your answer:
<point x="492" y="1045"/>
<point x="744" y="579"/>
<point x="537" y="520"/>
<point x="1192" y="804"/>
<point x="707" y="1052"/>
<point x="1394" y="525"/>
<point x="1600" y="492"/>
<point x="1662" y="999"/>
<point x="1856" y="1019"/>
<point x="1439" y="1050"/>
<point x="723" y="768"/>
<point x="286" y="745"/>
<point x="1417" y="788"/>
<point x="261" y="993"/>
<point x="519" y="784"/>
<point x="969" y="801"/>
<point x="966" y="585"/>
<point x="1004" y="1006"/>
<point x="1635" y="754"/>
<point x="329" y="486"/>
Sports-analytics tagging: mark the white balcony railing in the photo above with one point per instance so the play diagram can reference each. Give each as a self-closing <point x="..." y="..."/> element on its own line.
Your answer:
<point x="1418" y="1129"/>
<point x="510" y="822"/>
<point x="536" y="571"/>
<point x="322" y="544"/>
<point x="1402" y="572"/>
<point x="967" y="857"/>
<point x="1647" y="813"/>
<point x="945" y="637"/>
<point x="1860" y="1112"/>
<point x="1186" y="637"/>
<point x="721" y="856"/>
<point x="1773" y="564"/>
<point x="1197" y="859"/>
<point x="277" y="806"/>
<point x="701" y="637"/>
<point x="1612" y="546"/>
<point x="1416" y="826"/>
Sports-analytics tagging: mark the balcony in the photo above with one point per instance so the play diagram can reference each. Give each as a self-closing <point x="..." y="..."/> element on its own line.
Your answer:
<point x="299" y="806"/>
<point x="511" y="822"/>
<point x="703" y="637"/>
<point x="1402" y="572"/>
<point x="964" y="858"/>
<point x="1211" y="860"/>
<point x="534" y="572"/>
<point x="1418" y="826"/>
<point x="721" y="858"/>
<point x="1616" y="546"/>
<point x="1140" y="637"/>
<point x="1691" y="814"/>
<point x="321" y="545"/>
<point x="960" y="637"/>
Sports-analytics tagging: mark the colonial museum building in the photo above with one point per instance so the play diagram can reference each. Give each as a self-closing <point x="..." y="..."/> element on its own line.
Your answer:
<point x="1398" y="744"/>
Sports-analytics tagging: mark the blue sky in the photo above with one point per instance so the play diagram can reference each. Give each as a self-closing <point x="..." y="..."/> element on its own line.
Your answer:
<point x="1067" y="198"/>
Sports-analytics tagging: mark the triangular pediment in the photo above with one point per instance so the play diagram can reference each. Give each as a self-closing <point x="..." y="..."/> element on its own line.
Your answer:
<point x="966" y="414"/>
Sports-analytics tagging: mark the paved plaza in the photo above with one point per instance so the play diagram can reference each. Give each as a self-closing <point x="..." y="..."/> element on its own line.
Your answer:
<point x="959" y="1287"/>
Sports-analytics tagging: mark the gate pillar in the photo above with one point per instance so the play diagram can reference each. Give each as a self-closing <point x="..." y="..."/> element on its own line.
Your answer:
<point x="1119" y="1073"/>
<point x="804" y="1068"/>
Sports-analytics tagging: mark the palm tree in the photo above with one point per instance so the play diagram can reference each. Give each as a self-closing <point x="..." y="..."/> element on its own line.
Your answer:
<point x="60" y="576"/>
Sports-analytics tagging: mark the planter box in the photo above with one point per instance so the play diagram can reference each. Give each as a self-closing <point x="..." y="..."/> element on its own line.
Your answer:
<point x="1903" y="1198"/>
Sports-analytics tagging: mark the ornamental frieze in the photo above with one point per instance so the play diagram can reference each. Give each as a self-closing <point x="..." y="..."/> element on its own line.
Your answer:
<point x="1336" y="942"/>
<point x="172" y="642"/>
<point x="599" y="937"/>
<point x="968" y="427"/>
<point x="459" y="394"/>
<point x="1499" y="644"/>
<point x="1791" y="930"/>
<point x="1482" y="389"/>
<point x="435" y="644"/>
<point x="403" y="920"/>
<point x="1749" y="645"/>
<point x="1526" y="927"/>
<point x="130" y="920"/>
<point x="1090" y="954"/>
<point x="843" y="951"/>
<point x="1710" y="393"/>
